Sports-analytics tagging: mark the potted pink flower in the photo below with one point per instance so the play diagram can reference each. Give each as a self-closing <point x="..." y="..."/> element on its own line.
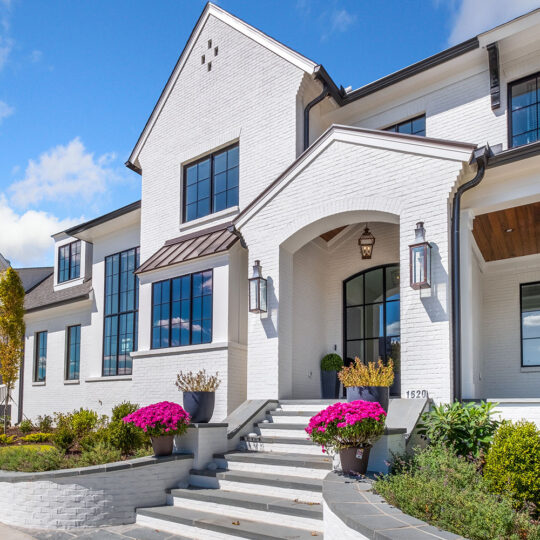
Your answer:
<point x="162" y="421"/>
<point x="351" y="429"/>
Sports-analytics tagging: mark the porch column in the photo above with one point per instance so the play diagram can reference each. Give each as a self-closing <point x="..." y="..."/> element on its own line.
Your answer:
<point x="470" y="304"/>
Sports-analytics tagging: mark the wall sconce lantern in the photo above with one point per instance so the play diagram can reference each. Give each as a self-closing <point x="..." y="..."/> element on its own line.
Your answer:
<point x="257" y="290"/>
<point x="420" y="259"/>
<point x="366" y="243"/>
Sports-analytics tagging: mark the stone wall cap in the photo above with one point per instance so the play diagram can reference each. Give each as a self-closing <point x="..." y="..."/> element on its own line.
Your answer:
<point x="116" y="466"/>
<point x="201" y="425"/>
<point x="371" y="515"/>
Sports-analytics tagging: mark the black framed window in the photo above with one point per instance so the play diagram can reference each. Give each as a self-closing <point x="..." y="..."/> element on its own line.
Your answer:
<point x="371" y="316"/>
<point x="524" y="110"/>
<point x="530" y="324"/>
<point x="69" y="261"/>
<point x="414" y="126"/>
<point x="182" y="310"/>
<point x="121" y="312"/>
<point x="211" y="184"/>
<point x="73" y="356"/>
<point x="40" y="357"/>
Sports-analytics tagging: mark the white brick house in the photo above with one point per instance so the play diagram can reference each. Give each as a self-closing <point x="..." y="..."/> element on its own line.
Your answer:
<point x="253" y="153"/>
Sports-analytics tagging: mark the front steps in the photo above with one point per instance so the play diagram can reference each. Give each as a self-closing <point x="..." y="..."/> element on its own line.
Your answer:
<point x="272" y="489"/>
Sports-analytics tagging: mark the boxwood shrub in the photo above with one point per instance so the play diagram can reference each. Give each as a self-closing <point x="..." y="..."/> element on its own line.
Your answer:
<point x="513" y="462"/>
<point x="331" y="362"/>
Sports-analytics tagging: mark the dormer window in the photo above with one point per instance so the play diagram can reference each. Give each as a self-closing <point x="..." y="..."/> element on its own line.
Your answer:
<point x="69" y="261"/>
<point x="524" y="110"/>
<point x="211" y="184"/>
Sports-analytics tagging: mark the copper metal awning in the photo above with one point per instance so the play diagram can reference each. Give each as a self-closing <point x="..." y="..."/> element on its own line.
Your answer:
<point x="192" y="246"/>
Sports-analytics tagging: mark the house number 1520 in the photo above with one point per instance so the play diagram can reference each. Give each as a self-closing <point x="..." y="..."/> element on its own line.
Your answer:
<point x="417" y="394"/>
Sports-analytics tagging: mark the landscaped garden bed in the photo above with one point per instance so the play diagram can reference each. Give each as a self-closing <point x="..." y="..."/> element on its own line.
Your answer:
<point x="476" y="477"/>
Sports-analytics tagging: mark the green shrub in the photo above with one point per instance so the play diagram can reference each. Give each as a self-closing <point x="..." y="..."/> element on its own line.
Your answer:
<point x="37" y="437"/>
<point x="100" y="453"/>
<point x="26" y="426"/>
<point x="44" y="423"/>
<point x="28" y="459"/>
<point x="513" y="462"/>
<point x="331" y="362"/>
<point x="64" y="438"/>
<point x="468" y="428"/>
<point x="83" y="421"/>
<point x="447" y="491"/>
<point x="7" y="439"/>
<point x="125" y="437"/>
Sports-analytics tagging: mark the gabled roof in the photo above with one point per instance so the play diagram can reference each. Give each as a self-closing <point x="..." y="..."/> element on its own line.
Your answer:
<point x="256" y="35"/>
<point x="31" y="277"/>
<point x="211" y="241"/>
<point x="399" y="142"/>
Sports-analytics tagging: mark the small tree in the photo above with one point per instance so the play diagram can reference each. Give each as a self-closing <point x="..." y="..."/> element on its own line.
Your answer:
<point x="12" y="331"/>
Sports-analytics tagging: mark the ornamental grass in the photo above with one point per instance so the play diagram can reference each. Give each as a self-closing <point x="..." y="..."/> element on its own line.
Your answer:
<point x="198" y="382"/>
<point x="347" y="425"/>
<point x="370" y="374"/>
<point x="164" y="418"/>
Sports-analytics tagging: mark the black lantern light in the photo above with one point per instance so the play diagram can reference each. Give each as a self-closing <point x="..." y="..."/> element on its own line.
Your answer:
<point x="366" y="243"/>
<point x="420" y="259"/>
<point x="257" y="290"/>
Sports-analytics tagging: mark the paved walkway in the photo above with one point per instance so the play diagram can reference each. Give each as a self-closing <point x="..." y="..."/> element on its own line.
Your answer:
<point x="121" y="532"/>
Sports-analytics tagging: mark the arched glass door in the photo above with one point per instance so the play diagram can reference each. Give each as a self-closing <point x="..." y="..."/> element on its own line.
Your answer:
<point x="371" y="317"/>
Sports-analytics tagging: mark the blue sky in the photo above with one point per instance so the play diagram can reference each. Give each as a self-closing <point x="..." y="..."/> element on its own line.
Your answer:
<point x="78" y="80"/>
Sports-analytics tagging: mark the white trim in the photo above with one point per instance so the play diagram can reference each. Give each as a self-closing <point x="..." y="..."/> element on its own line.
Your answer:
<point x="110" y="378"/>
<point x="513" y="400"/>
<point x="186" y="349"/>
<point x="72" y="381"/>
<point x="361" y="137"/>
<point x="38" y="383"/>
<point x="210" y="219"/>
<point x="259" y="37"/>
<point x="509" y="28"/>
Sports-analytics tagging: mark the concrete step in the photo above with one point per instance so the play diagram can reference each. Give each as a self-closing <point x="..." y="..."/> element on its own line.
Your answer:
<point x="290" y="417"/>
<point x="307" y="490"/>
<point x="294" y="431"/>
<point x="263" y="508"/>
<point x="282" y="445"/>
<point x="308" y="405"/>
<point x="291" y="464"/>
<point x="200" y="525"/>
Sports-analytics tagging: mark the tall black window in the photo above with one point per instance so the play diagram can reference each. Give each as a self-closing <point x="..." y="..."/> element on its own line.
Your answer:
<point x="211" y="184"/>
<point x="182" y="310"/>
<point x="372" y="322"/>
<point x="530" y="324"/>
<point x="524" y="116"/>
<point x="121" y="312"/>
<point x="73" y="356"/>
<point x="414" y="126"/>
<point x="40" y="358"/>
<point x="69" y="261"/>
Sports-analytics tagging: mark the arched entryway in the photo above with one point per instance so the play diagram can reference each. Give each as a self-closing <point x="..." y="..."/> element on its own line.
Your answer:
<point x="371" y="317"/>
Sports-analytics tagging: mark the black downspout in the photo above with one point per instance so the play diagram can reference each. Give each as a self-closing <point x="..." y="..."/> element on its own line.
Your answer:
<point x="480" y="156"/>
<point x="308" y="108"/>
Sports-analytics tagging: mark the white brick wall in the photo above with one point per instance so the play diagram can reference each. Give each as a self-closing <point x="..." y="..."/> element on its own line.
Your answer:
<point x="90" y="500"/>
<point x="501" y="371"/>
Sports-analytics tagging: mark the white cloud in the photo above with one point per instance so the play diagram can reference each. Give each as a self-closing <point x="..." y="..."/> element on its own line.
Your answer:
<point x="531" y="320"/>
<point x="25" y="238"/>
<point x="340" y="20"/>
<point x="6" y="44"/>
<point x="5" y="110"/>
<point x="64" y="173"/>
<point x="473" y="17"/>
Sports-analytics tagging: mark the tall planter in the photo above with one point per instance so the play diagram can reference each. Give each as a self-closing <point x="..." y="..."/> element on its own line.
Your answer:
<point x="377" y="394"/>
<point x="329" y="384"/>
<point x="200" y="405"/>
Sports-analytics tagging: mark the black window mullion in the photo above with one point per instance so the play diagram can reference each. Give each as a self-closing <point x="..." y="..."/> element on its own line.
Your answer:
<point x="212" y="183"/>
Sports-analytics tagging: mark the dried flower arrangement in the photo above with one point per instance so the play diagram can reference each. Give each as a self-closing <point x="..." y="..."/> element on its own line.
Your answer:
<point x="198" y="382"/>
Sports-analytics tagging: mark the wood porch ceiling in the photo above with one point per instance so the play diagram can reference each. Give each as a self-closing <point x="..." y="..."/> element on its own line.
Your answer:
<point x="327" y="236"/>
<point x="512" y="232"/>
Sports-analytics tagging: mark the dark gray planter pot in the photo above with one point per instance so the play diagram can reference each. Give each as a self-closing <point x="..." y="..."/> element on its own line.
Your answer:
<point x="351" y="463"/>
<point x="329" y="384"/>
<point x="379" y="394"/>
<point x="200" y="405"/>
<point x="162" y="446"/>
